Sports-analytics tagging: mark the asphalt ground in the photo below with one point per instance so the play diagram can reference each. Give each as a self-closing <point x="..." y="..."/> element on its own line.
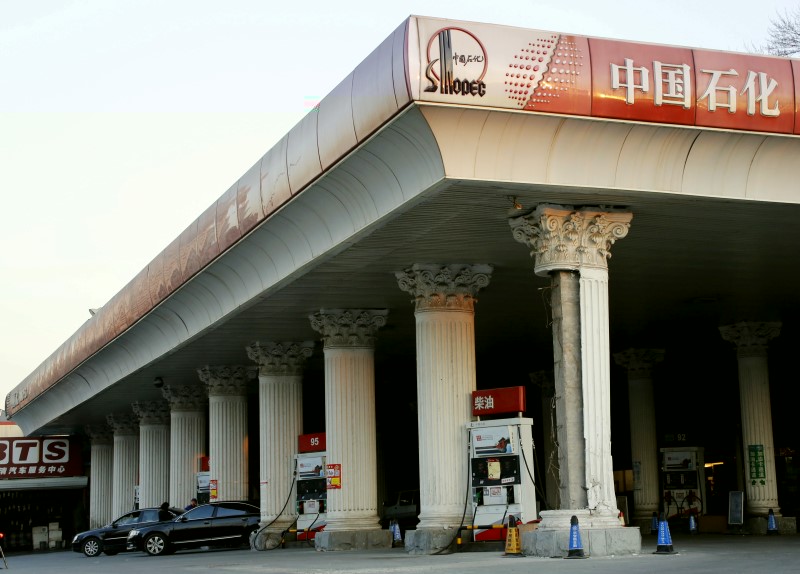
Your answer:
<point x="697" y="554"/>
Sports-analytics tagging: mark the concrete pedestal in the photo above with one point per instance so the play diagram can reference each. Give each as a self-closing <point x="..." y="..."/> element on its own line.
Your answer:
<point x="598" y="536"/>
<point x="353" y="540"/>
<point x="430" y="541"/>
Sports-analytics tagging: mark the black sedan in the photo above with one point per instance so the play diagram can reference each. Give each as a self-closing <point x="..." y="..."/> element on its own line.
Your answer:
<point x="113" y="538"/>
<point x="214" y="524"/>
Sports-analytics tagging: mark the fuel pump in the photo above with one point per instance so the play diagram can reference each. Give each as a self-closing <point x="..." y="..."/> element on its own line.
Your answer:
<point x="684" y="482"/>
<point x="312" y="494"/>
<point x="501" y="463"/>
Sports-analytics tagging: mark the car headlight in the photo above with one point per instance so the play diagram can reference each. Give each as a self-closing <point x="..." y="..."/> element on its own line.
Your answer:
<point x="74" y="540"/>
<point x="132" y="533"/>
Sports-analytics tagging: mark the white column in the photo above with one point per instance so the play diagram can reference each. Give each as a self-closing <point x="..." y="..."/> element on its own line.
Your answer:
<point x="761" y="485"/>
<point x="564" y="240"/>
<point x="101" y="478"/>
<point x="227" y="429"/>
<point x="596" y="375"/>
<point x="644" y="446"/>
<point x="153" y="453"/>
<point x="349" y="337"/>
<point x="280" y="392"/>
<point x="126" y="462"/>
<point x="444" y="298"/>
<point x="187" y="439"/>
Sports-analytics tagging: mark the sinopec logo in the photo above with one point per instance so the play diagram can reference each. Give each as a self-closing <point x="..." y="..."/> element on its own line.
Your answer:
<point x="457" y="63"/>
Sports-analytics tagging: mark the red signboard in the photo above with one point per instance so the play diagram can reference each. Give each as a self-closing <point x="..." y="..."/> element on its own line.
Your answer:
<point x="498" y="401"/>
<point x="40" y="457"/>
<point x="539" y="71"/>
<point x="314" y="442"/>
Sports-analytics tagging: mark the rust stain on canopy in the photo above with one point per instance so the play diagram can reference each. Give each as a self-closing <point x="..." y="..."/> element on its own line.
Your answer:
<point x="283" y="172"/>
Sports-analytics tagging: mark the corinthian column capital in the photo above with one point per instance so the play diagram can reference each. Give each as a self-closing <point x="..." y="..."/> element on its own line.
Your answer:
<point x="349" y="327"/>
<point x="100" y="433"/>
<point x="750" y="338"/>
<point x="563" y="238"/>
<point x="123" y="424"/>
<point x="280" y="358"/>
<point x="639" y="362"/>
<point x="225" y="380"/>
<point x="437" y="286"/>
<point x="151" y="412"/>
<point x="185" y="398"/>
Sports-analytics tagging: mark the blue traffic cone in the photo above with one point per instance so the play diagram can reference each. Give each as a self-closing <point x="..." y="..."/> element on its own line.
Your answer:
<point x="772" y="524"/>
<point x="664" y="539"/>
<point x="692" y="524"/>
<point x="654" y="524"/>
<point x="575" y="545"/>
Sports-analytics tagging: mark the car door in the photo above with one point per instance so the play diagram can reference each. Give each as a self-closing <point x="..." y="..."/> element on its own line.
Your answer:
<point x="116" y="536"/>
<point x="192" y="528"/>
<point x="229" y="523"/>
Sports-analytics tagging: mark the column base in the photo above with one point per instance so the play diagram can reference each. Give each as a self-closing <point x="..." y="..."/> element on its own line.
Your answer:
<point x="266" y="539"/>
<point x="430" y="540"/>
<point x="601" y="535"/>
<point x="758" y="524"/>
<point x="352" y="540"/>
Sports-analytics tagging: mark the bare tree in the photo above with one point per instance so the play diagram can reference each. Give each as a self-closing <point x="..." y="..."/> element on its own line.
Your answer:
<point x="784" y="35"/>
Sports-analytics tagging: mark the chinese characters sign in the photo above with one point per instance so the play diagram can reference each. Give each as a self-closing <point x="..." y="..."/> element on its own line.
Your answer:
<point x="39" y="457"/>
<point x="539" y="71"/>
<point x="496" y="401"/>
<point x="691" y="87"/>
<point x="755" y="459"/>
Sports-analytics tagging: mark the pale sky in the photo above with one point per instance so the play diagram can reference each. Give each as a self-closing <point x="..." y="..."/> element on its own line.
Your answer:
<point x="122" y="120"/>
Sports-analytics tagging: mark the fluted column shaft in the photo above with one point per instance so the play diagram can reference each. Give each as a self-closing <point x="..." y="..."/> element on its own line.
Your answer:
<point x="644" y="447"/>
<point x="281" y="407"/>
<point x="280" y="393"/>
<point x="761" y="484"/>
<point x="444" y="297"/>
<point x="350" y="437"/>
<point x="350" y="429"/>
<point x="126" y="463"/>
<point x="187" y="440"/>
<point x="154" y="438"/>
<point x="445" y="381"/>
<point x="227" y="429"/>
<point x="102" y="485"/>
<point x="596" y="374"/>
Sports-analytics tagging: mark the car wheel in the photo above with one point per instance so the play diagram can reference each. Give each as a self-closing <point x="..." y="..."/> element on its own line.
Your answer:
<point x="156" y="545"/>
<point x="91" y="547"/>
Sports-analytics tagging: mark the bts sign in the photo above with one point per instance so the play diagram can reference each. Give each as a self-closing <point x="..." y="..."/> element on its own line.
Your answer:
<point x="39" y="457"/>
